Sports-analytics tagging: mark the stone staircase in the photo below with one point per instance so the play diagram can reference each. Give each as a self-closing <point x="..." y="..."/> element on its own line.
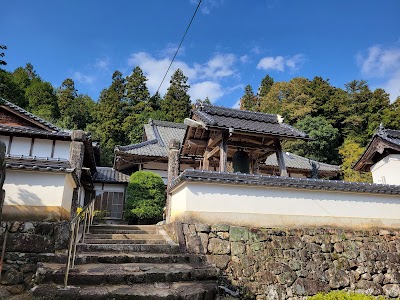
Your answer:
<point x="128" y="262"/>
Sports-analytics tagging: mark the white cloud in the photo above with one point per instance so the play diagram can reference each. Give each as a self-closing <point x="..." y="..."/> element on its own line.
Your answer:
<point x="102" y="63"/>
<point x="82" y="78"/>
<point x="203" y="78"/>
<point x="272" y="63"/>
<point x="210" y="89"/>
<point x="280" y="63"/>
<point x="207" y="5"/>
<point x="383" y="64"/>
<point x="219" y="66"/>
<point x="244" y="59"/>
<point x="236" y="105"/>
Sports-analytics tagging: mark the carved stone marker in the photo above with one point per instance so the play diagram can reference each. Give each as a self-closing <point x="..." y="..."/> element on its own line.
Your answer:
<point x="173" y="170"/>
<point x="2" y="176"/>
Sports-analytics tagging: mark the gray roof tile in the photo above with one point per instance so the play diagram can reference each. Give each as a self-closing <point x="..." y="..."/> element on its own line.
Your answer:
<point x="29" y="131"/>
<point x="247" y="121"/>
<point x="158" y="134"/>
<point x="279" y="181"/>
<point x="298" y="162"/>
<point x="110" y="175"/>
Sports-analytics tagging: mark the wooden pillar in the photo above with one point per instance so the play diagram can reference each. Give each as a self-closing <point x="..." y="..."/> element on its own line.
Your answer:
<point x="2" y="176"/>
<point x="206" y="162"/>
<point x="223" y="153"/>
<point x="281" y="161"/>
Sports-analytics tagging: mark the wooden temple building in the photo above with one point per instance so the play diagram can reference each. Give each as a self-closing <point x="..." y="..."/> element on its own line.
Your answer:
<point x="220" y="139"/>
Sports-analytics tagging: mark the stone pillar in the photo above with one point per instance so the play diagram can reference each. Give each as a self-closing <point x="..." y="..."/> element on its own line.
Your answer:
<point x="76" y="155"/>
<point x="173" y="171"/>
<point x="2" y="176"/>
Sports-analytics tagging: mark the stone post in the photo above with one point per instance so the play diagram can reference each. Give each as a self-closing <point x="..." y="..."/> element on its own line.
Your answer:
<point x="76" y="155"/>
<point x="2" y="176"/>
<point x="173" y="170"/>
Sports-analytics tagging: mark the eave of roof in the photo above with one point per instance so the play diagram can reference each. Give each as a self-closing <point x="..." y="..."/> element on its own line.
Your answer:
<point x="29" y="116"/>
<point x="109" y="175"/>
<point x="32" y="132"/>
<point x="281" y="182"/>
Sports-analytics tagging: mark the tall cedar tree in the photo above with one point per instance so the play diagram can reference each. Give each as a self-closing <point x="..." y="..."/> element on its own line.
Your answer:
<point x="265" y="86"/>
<point x="249" y="101"/>
<point x="109" y="117"/>
<point x="176" y="104"/>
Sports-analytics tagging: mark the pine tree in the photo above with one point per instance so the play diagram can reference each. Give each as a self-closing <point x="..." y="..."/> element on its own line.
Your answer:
<point x="137" y="94"/>
<point x="176" y="103"/>
<point x="249" y="101"/>
<point x="265" y="86"/>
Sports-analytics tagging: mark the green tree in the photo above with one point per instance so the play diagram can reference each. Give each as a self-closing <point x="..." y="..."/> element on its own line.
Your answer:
<point x="2" y="54"/>
<point x="200" y="102"/>
<point x="176" y="103"/>
<point x="145" y="197"/>
<point x="42" y="100"/>
<point x="391" y="115"/>
<point x="265" y="86"/>
<point x="324" y="147"/>
<point x="350" y="152"/>
<point x="9" y="90"/>
<point x="108" y="118"/>
<point x="249" y="101"/>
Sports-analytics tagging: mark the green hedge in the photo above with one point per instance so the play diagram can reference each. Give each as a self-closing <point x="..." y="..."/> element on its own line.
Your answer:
<point x="341" y="295"/>
<point x="145" y="197"/>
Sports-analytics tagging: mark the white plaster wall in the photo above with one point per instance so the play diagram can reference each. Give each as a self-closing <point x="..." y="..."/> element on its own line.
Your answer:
<point x="20" y="146"/>
<point x="61" y="149"/>
<point x="34" y="188"/>
<point x="387" y="170"/>
<point x="5" y="140"/>
<point x="69" y="185"/>
<point x="42" y="148"/>
<point x="282" y="205"/>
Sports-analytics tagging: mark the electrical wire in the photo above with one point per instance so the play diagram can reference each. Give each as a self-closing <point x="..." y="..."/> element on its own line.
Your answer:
<point x="177" y="50"/>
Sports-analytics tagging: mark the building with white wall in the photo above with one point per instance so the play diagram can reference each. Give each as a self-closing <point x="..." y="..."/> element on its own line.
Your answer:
<point x="48" y="170"/>
<point x="382" y="157"/>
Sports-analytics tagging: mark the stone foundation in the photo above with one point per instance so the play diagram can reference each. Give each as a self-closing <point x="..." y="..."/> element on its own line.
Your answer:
<point x="27" y="244"/>
<point x="295" y="263"/>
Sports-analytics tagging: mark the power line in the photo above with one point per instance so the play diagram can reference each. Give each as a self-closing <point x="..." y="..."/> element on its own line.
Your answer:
<point x="177" y="50"/>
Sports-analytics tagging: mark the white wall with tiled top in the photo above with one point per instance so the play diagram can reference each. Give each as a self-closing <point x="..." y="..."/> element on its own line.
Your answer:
<point x="387" y="170"/>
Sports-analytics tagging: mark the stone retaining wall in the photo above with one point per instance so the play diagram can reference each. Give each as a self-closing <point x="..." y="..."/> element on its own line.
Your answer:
<point x="27" y="244"/>
<point x="294" y="263"/>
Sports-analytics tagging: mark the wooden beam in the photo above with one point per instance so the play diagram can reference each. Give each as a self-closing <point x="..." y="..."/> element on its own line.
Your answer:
<point x="223" y="157"/>
<point x="214" y="140"/>
<point x="213" y="152"/>
<point x="197" y="142"/>
<point x="279" y="156"/>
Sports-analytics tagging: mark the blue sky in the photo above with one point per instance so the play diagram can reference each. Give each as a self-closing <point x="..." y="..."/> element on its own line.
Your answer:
<point x="231" y="43"/>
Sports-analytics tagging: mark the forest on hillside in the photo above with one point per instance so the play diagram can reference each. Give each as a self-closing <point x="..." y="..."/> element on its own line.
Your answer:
<point x="341" y="121"/>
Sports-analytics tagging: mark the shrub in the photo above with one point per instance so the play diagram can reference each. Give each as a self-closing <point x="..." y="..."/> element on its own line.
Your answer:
<point x="342" y="295"/>
<point x="145" y="196"/>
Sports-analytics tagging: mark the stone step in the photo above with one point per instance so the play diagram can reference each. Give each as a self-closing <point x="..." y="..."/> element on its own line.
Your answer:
<point x="120" y="231"/>
<point x="205" y="290"/>
<point x="128" y="248"/>
<point x="120" y="258"/>
<point x="127" y="273"/>
<point x="125" y="227"/>
<point x="128" y="241"/>
<point x="128" y="236"/>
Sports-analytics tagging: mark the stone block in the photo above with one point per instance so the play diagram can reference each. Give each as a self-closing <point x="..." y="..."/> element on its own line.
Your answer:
<point x="238" y="248"/>
<point x="369" y="287"/>
<point x="238" y="234"/>
<point x="202" y="227"/>
<point x="44" y="228"/>
<point x="78" y="135"/>
<point x="220" y="227"/>
<point x="61" y="235"/>
<point x="306" y="287"/>
<point x="30" y="243"/>
<point x="218" y="246"/>
<point x="12" y="277"/>
<point x="223" y="235"/>
<point x="204" y="241"/>
<point x="220" y="261"/>
<point x="391" y="290"/>
<point x="193" y="244"/>
<point x="337" y="278"/>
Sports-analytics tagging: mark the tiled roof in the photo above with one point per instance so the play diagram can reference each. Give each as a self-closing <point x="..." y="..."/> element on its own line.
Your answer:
<point x="158" y="134"/>
<point x="30" y="115"/>
<point x="38" y="163"/>
<point x="110" y="175"/>
<point x="29" y="131"/>
<point x="298" y="162"/>
<point x="246" y="121"/>
<point x="282" y="182"/>
<point x="390" y="135"/>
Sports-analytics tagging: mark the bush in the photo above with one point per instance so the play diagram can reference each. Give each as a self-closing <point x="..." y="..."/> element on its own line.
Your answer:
<point x="342" y="295"/>
<point x="145" y="197"/>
